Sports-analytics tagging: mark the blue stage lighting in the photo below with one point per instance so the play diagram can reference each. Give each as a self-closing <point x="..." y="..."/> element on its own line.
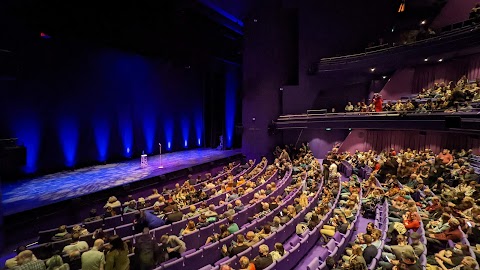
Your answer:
<point x="68" y="134"/>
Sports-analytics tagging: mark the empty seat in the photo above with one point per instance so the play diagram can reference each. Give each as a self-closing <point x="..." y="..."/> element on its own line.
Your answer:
<point x="112" y="222"/>
<point x="174" y="265"/>
<point x="124" y="230"/>
<point x="192" y="260"/>
<point x="314" y="264"/>
<point x="93" y="225"/>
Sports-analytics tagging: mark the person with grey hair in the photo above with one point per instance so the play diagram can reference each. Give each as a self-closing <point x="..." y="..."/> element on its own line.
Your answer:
<point x="94" y="259"/>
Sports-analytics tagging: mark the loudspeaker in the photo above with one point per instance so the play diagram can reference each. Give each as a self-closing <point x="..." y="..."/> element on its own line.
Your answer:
<point x="453" y="122"/>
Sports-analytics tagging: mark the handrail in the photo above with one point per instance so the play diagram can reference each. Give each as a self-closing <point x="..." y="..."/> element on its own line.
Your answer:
<point x="443" y="35"/>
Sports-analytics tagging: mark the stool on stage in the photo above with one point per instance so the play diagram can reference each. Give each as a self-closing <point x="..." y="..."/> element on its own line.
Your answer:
<point x="143" y="161"/>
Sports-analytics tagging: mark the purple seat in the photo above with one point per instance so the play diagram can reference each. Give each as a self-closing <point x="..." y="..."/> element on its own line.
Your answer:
<point x="226" y="260"/>
<point x="192" y="260"/>
<point x="337" y="237"/>
<point x="206" y="267"/>
<point x="192" y="240"/>
<point x="59" y="245"/>
<point x="112" y="222"/>
<point x="46" y="236"/>
<point x="280" y="265"/>
<point x="175" y="265"/>
<point x="211" y="253"/>
<point x="323" y="266"/>
<point x="158" y="232"/>
<point x="178" y="226"/>
<point x="42" y="251"/>
<point x="124" y="230"/>
<point x="314" y="264"/>
<point x="270" y="240"/>
<point x="88" y="238"/>
<point x="92" y="226"/>
<point x="227" y="240"/>
<point x="295" y="240"/>
<point x="128" y="217"/>
<point x="271" y="266"/>
<point x="323" y="254"/>
<point x="246" y="252"/>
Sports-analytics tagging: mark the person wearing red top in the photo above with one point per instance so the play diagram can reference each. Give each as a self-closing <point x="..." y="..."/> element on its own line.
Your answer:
<point x="445" y="156"/>
<point x="437" y="241"/>
<point x="377" y="101"/>
<point x="412" y="221"/>
<point x="435" y="205"/>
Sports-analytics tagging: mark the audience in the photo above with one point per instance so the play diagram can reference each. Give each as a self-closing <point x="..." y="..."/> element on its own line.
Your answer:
<point x="117" y="256"/>
<point x="94" y="259"/>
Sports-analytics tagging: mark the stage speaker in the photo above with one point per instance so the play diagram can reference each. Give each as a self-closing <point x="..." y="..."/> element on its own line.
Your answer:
<point x="453" y="122"/>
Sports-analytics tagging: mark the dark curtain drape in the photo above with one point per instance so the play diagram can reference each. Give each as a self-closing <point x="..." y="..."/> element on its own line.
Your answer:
<point x="426" y="76"/>
<point x="382" y="140"/>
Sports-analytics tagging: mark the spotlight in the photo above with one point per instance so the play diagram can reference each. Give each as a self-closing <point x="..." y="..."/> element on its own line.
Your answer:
<point x="425" y="60"/>
<point x="255" y="20"/>
<point x="169" y="145"/>
<point x="423" y="22"/>
<point x="372" y="69"/>
<point x="186" y="144"/>
<point x="43" y="35"/>
<point x="349" y="129"/>
<point x="328" y="129"/>
<point x="440" y="60"/>
<point x="384" y="77"/>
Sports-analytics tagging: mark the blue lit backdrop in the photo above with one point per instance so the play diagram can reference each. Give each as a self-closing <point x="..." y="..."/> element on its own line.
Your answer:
<point x="123" y="104"/>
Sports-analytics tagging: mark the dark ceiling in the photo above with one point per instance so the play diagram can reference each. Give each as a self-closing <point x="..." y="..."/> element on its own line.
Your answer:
<point x="177" y="29"/>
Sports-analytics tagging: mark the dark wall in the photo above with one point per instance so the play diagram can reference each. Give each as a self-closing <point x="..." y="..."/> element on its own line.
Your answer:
<point x="282" y="45"/>
<point x="74" y="104"/>
<point x="268" y="40"/>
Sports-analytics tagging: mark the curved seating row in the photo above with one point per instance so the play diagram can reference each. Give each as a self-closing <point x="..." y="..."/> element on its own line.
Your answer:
<point x="211" y="253"/>
<point x="112" y="222"/>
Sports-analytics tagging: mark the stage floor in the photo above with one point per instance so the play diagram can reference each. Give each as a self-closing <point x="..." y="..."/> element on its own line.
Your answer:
<point x="40" y="191"/>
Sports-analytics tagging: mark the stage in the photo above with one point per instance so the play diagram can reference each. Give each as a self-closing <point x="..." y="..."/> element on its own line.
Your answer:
<point x="32" y="193"/>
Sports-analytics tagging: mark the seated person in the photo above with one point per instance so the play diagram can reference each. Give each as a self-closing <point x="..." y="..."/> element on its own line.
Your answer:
<point x="62" y="234"/>
<point x="26" y="260"/>
<point x="264" y="259"/>
<point x="190" y="228"/>
<point x="278" y="253"/>
<point x="218" y="236"/>
<point x="451" y="257"/>
<point x="236" y="247"/>
<point x="76" y="247"/>
<point x="113" y="202"/>
<point x="202" y="221"/>
<point x="13" y="262"/>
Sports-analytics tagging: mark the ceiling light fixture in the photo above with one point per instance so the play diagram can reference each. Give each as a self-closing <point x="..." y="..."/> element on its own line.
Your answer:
<point x="425" y="60"/>
<point x="372" y="69"/>
<point x="423" y="22"/>
<point x="440" y="60"/>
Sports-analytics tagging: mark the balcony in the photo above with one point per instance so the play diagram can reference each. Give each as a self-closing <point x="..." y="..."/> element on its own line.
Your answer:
<point x="461" y="39"/>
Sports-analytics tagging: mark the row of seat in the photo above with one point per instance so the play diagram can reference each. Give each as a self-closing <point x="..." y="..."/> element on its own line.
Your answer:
<point x="211" y="253"/>
<point x="112" y="222"/>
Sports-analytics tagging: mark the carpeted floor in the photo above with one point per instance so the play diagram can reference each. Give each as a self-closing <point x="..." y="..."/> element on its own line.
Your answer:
<point x="35" y="192"/>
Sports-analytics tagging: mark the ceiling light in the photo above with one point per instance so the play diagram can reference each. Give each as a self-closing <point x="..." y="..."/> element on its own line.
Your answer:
<point x="425" y="60"/>
<point x="384" y="77"/>
<point x="372" y="69"/>
<point x="423" y="22"/>
<point x="440" y="60"/>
